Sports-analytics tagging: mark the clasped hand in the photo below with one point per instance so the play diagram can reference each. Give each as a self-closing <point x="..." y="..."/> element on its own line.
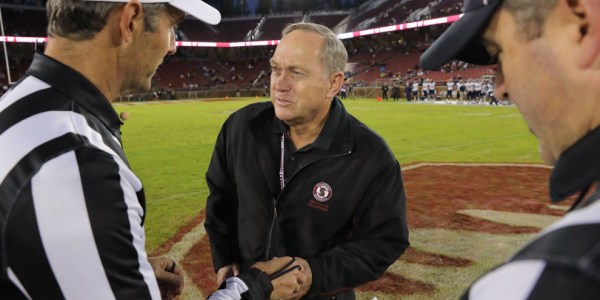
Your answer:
<point x="291" y="277"/>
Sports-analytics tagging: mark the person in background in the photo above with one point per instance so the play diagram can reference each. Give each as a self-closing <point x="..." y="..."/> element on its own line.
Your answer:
<point x="415" y="90"/>
<point x="395" y="92"/>
<point x="449" y="89"/>
<point x="384" y="92"/>
<point x="408" y="90"/>
<point x="343" y="92"/>
<point x="541" y="46"/>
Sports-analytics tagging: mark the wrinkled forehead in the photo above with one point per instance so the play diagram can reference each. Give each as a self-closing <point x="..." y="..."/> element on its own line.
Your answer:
<point x="299" y="46"/>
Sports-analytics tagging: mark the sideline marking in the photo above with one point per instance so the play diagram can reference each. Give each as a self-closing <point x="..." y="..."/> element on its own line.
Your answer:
<point x="511" y="218"/>
<point x="179" y="250"/>
<point x="418" y="165"/>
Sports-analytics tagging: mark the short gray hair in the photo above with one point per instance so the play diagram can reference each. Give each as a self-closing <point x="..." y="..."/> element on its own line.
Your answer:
<point x="334" y="56"/>
<point x="530" y="15"/>
<point x="80" y="20"/>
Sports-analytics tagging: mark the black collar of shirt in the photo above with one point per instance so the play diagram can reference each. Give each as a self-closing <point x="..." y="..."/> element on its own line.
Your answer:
<point x="77" y="87"/>
<point x="577" y="168"/>
<point x="325" y="138"/>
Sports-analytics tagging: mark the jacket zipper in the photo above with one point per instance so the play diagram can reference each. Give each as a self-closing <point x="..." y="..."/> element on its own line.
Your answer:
<point x="271" y="229"/>
<point x="275" y="200"/>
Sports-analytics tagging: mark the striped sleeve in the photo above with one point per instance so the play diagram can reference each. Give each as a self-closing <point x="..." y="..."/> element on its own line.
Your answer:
<point x="560" y="263"/>
<point x="72" y="211"/>
<point x="512" y="281"/>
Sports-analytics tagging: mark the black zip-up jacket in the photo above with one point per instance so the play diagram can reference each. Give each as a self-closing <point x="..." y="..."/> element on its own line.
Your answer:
<point x="342" y="208"/>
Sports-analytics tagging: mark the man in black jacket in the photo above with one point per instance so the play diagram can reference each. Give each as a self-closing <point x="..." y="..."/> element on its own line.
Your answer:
<point x="299" y="176"/>
<point x="541" y="46"/>
<point x="72" y="211"/>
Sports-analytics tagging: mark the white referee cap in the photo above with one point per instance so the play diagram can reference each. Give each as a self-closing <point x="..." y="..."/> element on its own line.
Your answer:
<point x="196" y="8"/>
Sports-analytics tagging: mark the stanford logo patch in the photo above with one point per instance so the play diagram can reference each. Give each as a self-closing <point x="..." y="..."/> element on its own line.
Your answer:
<point x="322" y="192"/>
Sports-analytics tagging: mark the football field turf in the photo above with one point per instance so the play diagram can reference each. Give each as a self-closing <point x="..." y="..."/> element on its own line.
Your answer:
<point x="473" y="196"/>
<point x="169" y="145"/>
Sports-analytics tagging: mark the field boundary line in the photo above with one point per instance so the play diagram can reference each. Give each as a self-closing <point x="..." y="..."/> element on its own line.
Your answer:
<point x="419" y="165"/>
<point x="178" y="251"/>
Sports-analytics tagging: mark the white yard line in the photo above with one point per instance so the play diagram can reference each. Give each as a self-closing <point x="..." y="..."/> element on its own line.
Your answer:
<point x="178" y="252"/>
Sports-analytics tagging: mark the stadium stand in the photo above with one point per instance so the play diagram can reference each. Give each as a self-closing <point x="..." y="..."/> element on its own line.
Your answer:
<point x="232" y="29"/>
<point x="368" y="13"/>
<point x="329" y="19"/>
<point x="20" y="20"/>
<point x="274" y="24"/>
<point x="374" y="59"/>
<point x="446" y="8"/>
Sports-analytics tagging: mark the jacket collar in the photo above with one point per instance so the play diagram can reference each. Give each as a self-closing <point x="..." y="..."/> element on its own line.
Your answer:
<point x="264" y="125"/>
<point x="329" y="131"/>
<point x="577" y="168"/>
<point x="77" y="87"/>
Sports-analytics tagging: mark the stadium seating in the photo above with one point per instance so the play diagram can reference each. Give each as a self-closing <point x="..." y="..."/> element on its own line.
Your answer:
<point x="229" y="30"/>
<point x="368" y="13"/>
<point x="329" y="19"/>
<point x="275" y="23"/>
<point x="26" y="21"/>
<point x="446" y="7"/>
<point x="228" y="67"/>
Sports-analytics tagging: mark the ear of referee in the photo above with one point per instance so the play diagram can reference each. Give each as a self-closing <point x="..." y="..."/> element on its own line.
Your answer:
<point x="71" y="209"/>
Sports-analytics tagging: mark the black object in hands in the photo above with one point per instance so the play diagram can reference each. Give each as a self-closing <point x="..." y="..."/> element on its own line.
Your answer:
<point x="284" y="270"/>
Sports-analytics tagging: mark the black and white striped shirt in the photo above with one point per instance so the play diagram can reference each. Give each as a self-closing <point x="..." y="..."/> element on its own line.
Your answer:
<point x="563" y="261"/>
<point x="71" y="209"/>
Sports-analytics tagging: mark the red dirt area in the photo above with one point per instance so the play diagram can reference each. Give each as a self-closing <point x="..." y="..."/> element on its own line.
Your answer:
<point x="436" y="194"/>
<point x="397" y="285"/>
<point x="164" y="248"/>
<point x="418" y="257"/>
<point x="199" y="267"/>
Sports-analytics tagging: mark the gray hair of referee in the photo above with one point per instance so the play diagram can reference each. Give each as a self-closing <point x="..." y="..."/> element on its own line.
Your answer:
<point x="80" y="20"/>
<point x="530" y="15"/>
<point x="334" y="56"/>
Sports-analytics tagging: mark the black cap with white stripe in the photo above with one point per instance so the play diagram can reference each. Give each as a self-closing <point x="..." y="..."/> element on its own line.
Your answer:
<point x="462" y="40"/>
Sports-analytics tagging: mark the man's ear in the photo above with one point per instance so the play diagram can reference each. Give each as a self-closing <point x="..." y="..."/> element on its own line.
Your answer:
<point x="131" y="20"/>
<point x="588" y="11"/>
<point x="336" y="80"/>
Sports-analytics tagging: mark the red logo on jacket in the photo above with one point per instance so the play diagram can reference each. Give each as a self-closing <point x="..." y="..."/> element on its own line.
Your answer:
<point x="322" y="192"/>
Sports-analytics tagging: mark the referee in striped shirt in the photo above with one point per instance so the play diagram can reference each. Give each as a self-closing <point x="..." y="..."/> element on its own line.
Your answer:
<point x="71" y="209"/>
<point x="548" y="55"/>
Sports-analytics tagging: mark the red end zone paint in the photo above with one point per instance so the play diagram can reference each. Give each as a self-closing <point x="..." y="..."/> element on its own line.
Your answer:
<point x="434" y="195"/>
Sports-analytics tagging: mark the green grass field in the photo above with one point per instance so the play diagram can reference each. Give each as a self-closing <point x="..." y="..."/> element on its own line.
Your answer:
<point x="169" y="146"/>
